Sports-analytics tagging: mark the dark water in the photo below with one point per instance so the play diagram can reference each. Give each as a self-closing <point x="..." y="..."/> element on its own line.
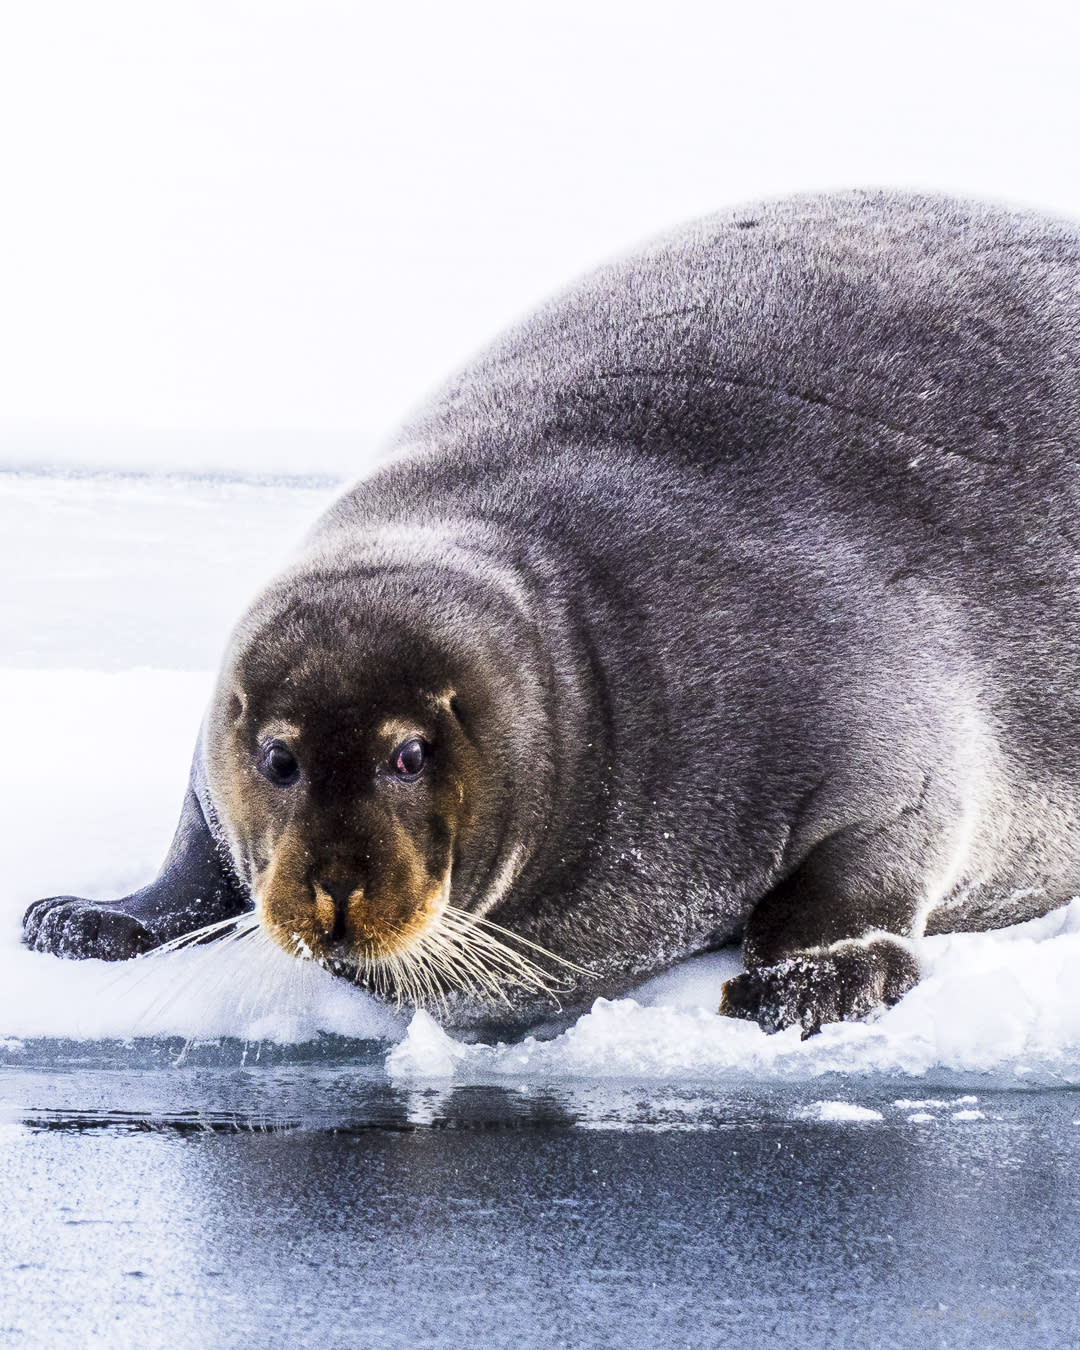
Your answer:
<point x="315" y="1203"/>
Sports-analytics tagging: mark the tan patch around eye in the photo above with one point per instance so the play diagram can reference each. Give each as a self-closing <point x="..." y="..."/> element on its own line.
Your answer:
<point x="394" y="730"/>
<point x="276" y="730"/>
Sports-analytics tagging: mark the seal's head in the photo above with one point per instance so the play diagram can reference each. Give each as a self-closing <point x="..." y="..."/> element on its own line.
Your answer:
<point x="375" y="758"/>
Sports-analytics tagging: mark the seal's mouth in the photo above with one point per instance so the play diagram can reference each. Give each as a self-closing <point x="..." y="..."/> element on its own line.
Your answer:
<point x="348" y="927"/>
<point x="356" y="922"/>
<point x="437" y="951"/>
<point x="352" y="902"/>
<point x="459" y="953"/>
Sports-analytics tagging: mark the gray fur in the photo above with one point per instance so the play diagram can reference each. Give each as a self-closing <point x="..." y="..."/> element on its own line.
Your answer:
<point x="789" y="500"/>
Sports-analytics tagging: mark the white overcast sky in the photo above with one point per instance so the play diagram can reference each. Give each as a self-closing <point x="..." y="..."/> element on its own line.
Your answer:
<point x="259" y="231"/>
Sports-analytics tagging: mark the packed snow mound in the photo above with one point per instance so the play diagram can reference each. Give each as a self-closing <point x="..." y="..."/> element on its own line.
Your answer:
<point x="1005" y="1003"/>
<point x="840" y="1111"/>
<point x="97" y="769"/>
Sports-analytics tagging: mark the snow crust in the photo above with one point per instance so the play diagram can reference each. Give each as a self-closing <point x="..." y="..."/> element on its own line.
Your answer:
<point x="1005" y="1004"/>
<point x="840" y="1111"/>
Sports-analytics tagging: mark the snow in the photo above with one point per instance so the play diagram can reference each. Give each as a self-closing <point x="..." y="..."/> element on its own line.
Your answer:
<point x="842" y="1111"/>
<point x="1001" y="1003"/>
<point x="426" y="1051"/>
<point x="101" y="767"/>
<point x="96" y="766"/>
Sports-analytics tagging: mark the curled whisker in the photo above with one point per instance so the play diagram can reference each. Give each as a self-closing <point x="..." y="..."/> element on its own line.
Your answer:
<point x="490" y="970"/>
<point x="488" y="939"/>
<point x="458" y="962"/>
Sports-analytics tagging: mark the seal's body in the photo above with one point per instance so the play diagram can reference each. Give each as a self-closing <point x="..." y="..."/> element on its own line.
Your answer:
<point x="733" y="594"/>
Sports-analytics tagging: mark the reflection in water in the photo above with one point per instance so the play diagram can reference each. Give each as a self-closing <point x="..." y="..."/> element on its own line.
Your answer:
<point x="322" y="1203"/>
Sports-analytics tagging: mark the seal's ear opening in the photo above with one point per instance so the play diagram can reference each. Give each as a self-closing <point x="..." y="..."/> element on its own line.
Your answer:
<point x="237" y="705"/>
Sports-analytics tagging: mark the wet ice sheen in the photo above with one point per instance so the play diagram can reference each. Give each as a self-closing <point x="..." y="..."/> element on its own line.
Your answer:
<point x="492" y="1217"/>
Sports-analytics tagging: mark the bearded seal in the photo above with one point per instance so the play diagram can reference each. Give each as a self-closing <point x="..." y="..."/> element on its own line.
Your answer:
<point x="731" y="595"/>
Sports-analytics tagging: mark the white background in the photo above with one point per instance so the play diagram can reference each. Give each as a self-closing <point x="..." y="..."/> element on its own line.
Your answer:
<point x="255" y="233"/>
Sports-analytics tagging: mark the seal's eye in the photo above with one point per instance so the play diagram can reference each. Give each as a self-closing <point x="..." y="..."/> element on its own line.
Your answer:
<point x="410" y="758"/>
<point x="278" y="763"/>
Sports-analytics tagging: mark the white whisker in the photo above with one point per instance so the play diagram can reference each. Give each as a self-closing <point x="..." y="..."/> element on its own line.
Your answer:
<point x="478" y="978"/>
<point x="497" y="954"/>
<point x="463" y="916"/>
<point x="240" y="925"/>
<point x="459" y="952"/>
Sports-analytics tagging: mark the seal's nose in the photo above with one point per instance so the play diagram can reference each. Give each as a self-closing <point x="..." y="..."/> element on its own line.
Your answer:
<point x="339" y="892"/>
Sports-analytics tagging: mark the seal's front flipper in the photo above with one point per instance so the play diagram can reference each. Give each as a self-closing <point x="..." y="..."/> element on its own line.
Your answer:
<point x="843" y="983"/>
<point x="67" y="926"/>
<point x="194" y="888"/>
<point x="829" y="944"/>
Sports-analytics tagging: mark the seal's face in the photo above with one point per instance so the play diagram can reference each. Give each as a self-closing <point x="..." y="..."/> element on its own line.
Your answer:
<point x="348" y="784"/>
<point x="350" y="820"/>
<point x="375" y="756"/>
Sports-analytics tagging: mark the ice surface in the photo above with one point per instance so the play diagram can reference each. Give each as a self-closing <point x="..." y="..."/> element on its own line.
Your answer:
<point x="97" y="763"/>
<point x="110" y="571"/>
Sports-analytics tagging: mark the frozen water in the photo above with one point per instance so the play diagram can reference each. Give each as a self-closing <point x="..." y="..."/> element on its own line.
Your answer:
<point x="314" y="1204"/>
<point x="114" y="571"/>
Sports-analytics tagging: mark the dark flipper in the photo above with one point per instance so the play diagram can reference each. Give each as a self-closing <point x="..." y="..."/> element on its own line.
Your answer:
<point x="843" y="983"/>
<point x="828" y="944"/>
<point x="195" y="887"/>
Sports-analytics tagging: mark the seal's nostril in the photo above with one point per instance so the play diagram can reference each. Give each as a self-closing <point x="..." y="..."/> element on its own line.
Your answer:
<point x="339" y="892"/>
